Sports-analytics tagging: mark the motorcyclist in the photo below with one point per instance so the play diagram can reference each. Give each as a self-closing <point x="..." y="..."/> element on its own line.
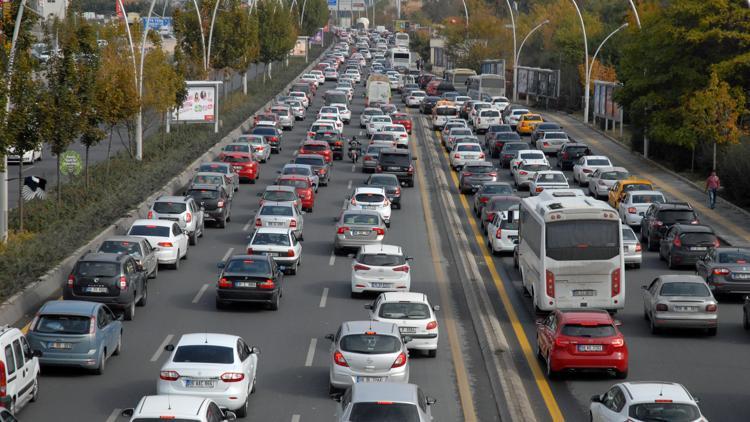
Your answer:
<point x="355" y="149"/>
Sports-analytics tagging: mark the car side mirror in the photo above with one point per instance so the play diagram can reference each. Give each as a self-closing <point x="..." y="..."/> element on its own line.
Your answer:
<point x="644" y="287"/>
<point x="259" y="194"/>
<point x="330" y="337"/>
<point x="409" y="258"/>
<point x="618" y="323"/>
<point x="255" y="350"/>
<point x="127" y="413"/>
<point x="169" y="347"/>
<point x="229" y="415"/>
<point x="431" y="400"/>
<point x="221" y="265"/>
<point x="436" y="308"/>
<point x="368" y="306"/>
<point x="596" y="398"/>
<point x="120" y="317"/>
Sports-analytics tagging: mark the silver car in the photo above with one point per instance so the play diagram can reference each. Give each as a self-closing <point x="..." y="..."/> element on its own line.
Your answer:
<point x="680" y="301"/>
<point x="286" y="119"/>
<point x="526" y="171"/>
<point x="260" y="147"/>
<point x="636" y="203"/>
<point x="355" y="228"/>
<point x="137" y="247"/>
<point x="204" y="178"/>
<point x="548" y="179"/>
<point x="604" y="178"/>
<point x="280" y="215"/>
<point x="298" y="109"/>
<point x="385" y="402"/>
<point x="632" y="247"/>
<point x="369" y="112"/>
<point x="366" y="352"/>
<point x="232" y="178"/>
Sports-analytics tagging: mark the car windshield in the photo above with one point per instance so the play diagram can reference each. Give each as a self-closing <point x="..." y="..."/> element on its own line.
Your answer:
<point x="277" y="239"/>
<point x="628" y="234"/>
<point x="370" y="344"/>
<point x="120" y="246"/>
<point x="277" y="211"/>
<point x="613" y="175"/>
<point x="199" y="194"/>
<point x="248" y="266"/>
<point x="479" y="169"/>
<point x="647" y="199"/>
<point x="157" y="231"/>
<point x="97" y="269"/>
<point x="361" y="219"/>
<point x="550" y="178"/>
<point x="369" y="197"/>
<point x="698" y="238"/>
<point x="684" y="289"/>
<point x="381" y="260"/>
<point x="734" y="257"/>
<point x="599" y="162"/>
<point x="582" y="240"/>
<point x="592" y="331"/>
<point x="297" y="170"/>
<point x="215" y="168"/>
<point x="497" y="189"/>
<point x="402" y="160"/>
<point x="169" y="207"/>
<point x="404" y="310"/>
<point x="657" y="412"/>
<point x="531" y="156"/>
<point x="203" y="353"/>
<point x="237" y="148"/>
<point x="383" y="181"/>
<point x="63" y="324"/>
<point x="512" y="147"/>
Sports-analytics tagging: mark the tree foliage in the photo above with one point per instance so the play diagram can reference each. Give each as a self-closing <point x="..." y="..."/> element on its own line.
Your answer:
<point x="713" y="113"/>
<point x="315" y="17"/>
<point x="277" y="30"/>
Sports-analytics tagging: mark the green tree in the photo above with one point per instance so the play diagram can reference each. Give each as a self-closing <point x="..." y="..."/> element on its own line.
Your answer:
<point x="315" y="16"/>
<point x="191" y="38"/>
<point x="163" y="86"/>
<point x="235" y="40"/>
<point x="277" y="32"/>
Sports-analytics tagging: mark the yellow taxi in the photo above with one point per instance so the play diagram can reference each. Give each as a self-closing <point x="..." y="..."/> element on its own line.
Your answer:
<point x="527" y="123"/>
<point x="617" y="191"/>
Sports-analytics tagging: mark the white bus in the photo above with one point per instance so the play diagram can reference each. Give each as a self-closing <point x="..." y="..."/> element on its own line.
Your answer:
<point x="486" y="86"/>
<point x="570" y="252"/>
<point x="458" y="77"/>
<point x="402" y="39"/>
<point x="400" y="57"/>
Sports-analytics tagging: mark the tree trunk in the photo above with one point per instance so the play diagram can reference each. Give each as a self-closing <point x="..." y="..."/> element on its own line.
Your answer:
<point x="109" y="148"/>
<point x="86" y="168"/>
<point x="265" y="65"/>
<point x="692" y="160"/>
<point x="244" y="82"/>
<point x="20" y="195"/>
<point x="269" y="71"/>
<point x="59" y="180"/>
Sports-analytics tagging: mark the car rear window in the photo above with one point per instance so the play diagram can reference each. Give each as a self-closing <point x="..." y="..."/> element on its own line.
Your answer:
<point x="459" y="132"/>
<point x="169" y="207"/>
<point x="276" y="210"/>
<point x="370" y="344"/>
<point x="446" y="111"/>
<point x="497" y="189"/>
<point x="599" y="162"/>
<point x="237" y="148"/>
<point x="216" y="168"/>
<point x="120" y="246"/>
<point x="369" y="197"/>
<point x="199" y="194"/>
<point x="507" y="136"/>
<point x="503" y="204"/>
<point x="292" y="182"/>
<point x="510" y="147"/>
<point x="279" y="195"/>
<point x="315" y="147"/>
<point x="313" y="161"/>
<point x="469" y="147"/>
<point x="260" y="130"/>
<point x="479" y="169"/>
<point x="534" y="167"/>
<point x="157" y="231"/>
<point x="404" y="310"/>
<point x="737" y="257"/>
<point x="297" y="170"/>
<point x="363" y="219"/>
<point x="531" y="156"/>
<point x="684" y="289"/>
<point x="638" y="186"/>
<point x="676" y="216"/>
<point x="248" y="266"/>
<point x="628" y="234"/>
<point x="583" y="240"/>
<point x="97" y="269"/>
<point x="203" y="353"/>
<point x="698" y="238"/>
<point x="554" y="135"/>
<point x="279" y="239"/>
<point x="550" y="178"/>
<point x="381" y="260"/>
<point x="591" y="331"/>
<point x="672" y="412"/>
<point x="489" y="113"/>
<point x="576" y="149"/>
<point x="63" y="324"/>
<point x="207" y="180"/>
<point x="647" y="199"/>
<point x="384" y="180"/>
<point x="236" y="159"/>
<point x="614" y="175"/>
<point x="388" y="159"/>
<point x="509" y="225"/>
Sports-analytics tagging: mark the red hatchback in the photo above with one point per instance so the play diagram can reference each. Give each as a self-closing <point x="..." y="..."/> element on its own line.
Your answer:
<point x="244" y="165"/>
<point x="317" y="147"/>
<point x="304" y="188"/>
<point x="581" y="339"/>
<point x="402" y="119"/>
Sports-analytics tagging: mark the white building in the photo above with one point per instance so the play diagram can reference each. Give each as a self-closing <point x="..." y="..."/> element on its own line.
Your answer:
<point x="51" y="9"/>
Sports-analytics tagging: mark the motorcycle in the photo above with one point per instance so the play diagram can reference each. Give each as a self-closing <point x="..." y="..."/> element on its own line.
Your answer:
<point x="354" y="150"/>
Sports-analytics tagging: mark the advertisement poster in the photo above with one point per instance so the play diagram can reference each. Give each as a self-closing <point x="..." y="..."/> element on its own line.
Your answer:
<point x="300" y="47"/>
<point x="199" y="106"/>
<point x="317" y="38"/>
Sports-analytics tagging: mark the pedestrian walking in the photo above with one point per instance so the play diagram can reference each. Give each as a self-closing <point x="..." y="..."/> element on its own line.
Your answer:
<point x="712" y="186"/>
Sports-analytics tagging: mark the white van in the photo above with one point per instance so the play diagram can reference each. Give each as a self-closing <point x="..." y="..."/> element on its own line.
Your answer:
<point x="378" y="91"/>
<point x="19" y="370"/>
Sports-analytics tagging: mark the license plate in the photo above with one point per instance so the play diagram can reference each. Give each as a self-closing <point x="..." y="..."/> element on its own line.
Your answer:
<point x="238" y="168"/>
<point x="370" y="379"/>
<point x="381" y="285"/>
<point x="276" y="224"/>
<point x="394" y="168"/>
<point x="405" y="330"/>
<point x="698" y="248"/>
<point x="369" y="207"/>
<point x="60" y="345"/>
<point x="199" y="383"/>
<point x="590" y="348"/>
<point x="585" y="293"/>
<point x="741" y="276"/>
<point x="685" y="308"/>
<point x="96" y="289"/>
<point x="361" y="233"/>
<point x="270" y="253"/>
<point x="251" y="284"/>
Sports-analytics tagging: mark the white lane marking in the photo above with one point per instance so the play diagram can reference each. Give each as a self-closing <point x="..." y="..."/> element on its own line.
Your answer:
<point x="163" y="344"/>
<point x="114" y="415"/>
<point x="311" y="352"/>
<point x="324" y="298"/>
<point x="227" y="255"/>
<point x="295" y="418"/>
<point x="197" y="297"/>
<point x="332" y="260"/>
<point x="349" y="185"/>
<point x="354" y="167"/>
<point x="29" y="168"/>
<point x="246" y="227"/>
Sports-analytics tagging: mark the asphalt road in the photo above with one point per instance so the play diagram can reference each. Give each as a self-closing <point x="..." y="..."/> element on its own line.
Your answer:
<point x="710" y="367"/>
<point x="292" y="379"/>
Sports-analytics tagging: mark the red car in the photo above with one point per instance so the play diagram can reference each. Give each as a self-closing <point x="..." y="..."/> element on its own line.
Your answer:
<point x="304" y="188"/>
<point x="244" y="165"/>
<point x="402" y="119"/>
<point x="317" y="147"/>
<point x="582" y="339"/>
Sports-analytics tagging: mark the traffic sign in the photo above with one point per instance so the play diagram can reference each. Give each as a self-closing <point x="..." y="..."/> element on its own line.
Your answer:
<point x="70" y="163"/>
<point x="332" y="3"/>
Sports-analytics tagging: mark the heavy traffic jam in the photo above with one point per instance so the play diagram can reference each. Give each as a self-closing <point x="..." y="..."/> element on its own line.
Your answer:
<point x="574" y="223"/>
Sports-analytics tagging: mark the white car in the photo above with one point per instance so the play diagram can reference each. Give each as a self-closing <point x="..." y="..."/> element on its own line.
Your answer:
<point x="441" y="114"/>
<point x="486" y="118"/>
<point x="321" y="76"/>
<point x="380" y="268"/>
<point x="281" y="215"/>
<point x="635" y="204"/>
<point x="21" y="375"/>
<point x="414" y="316"/>
<point x="301" y="97"/>
<point x="182" y="408"/>
<point x="367" y="198"/>
<point x="586" y="165"/>
<point x="460" y="100"/>
<point x="499" y="103"/>
<point x="551" y="142"/>
<point x="526" y="171"/>
<point x="280" y="243"/>
<point x="502" y="231"/>
<point x="369" y="112"/>
<point x="166" y="236"/>
<point x="286" y="118"/>
<point x="29" y="157"/>
<point x="376" y="122"/>
<point x="513" y="117"/>
<point x="328" y="110"/>
<point x="261" y="148"/>
<point x="414" y="99"/>
<point x="464" y="152"/>
<point x="346" y="87"/>
<point x="644" y="401"/>
<point x="320" y="125"/>
<point x="399" y="131"/>
<point x="219" y="367"/>
<point x="546" y="180"/>
<point x="333" y="119"/>
<point x="476" y="108"/>
<point x="525" y="154"/>
<point x="604" y="178"/>
<point x="344" y="113"/>
<point x="354" y="75"/>
<point x="310" y="78"/>
<point x="298" y="109"/>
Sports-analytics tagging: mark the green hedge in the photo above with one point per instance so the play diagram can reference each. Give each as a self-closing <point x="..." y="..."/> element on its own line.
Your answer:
<point x="55" y="230"/>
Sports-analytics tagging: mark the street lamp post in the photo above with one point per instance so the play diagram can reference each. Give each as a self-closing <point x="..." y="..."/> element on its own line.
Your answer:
<point x="586" y="89"/>
<point x="515" y="50"/>
<point x="590" y="66"/>
<point x="517" y="58"/>
<point x="466" y="12"/>
<point x="638" y="18"/>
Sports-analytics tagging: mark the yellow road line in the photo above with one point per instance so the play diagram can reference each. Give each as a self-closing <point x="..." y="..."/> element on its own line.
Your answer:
<point x="539" y="378"/>
<point x="462" y="379"/>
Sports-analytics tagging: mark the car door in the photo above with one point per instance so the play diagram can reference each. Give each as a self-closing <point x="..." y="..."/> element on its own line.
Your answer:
<point x="25" y="377"/>
<point x="649" y="295"/>
<point x="181" y="238"/>
<point x="666" y="241"/>
<point x="149" y="256"/>
<point x="606" y="410"/>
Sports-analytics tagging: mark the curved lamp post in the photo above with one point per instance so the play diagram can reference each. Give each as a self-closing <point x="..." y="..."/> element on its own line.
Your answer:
<point x="517" y="58"/>
<point x="590" y="66"/>
<point x="515" y="50"/>
<point x="466" y="12"/>
<point x="585" y="62"/>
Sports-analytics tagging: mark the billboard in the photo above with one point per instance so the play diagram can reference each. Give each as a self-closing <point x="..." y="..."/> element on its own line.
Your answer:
<point x="539" y="82"/>
<point x="200" y="105"/>
<point x="604" y="100"/>
<point x="157" y="23"/>
<point x="300" y="47"/>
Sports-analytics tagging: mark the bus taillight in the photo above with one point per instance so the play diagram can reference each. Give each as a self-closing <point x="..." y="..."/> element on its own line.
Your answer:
<point x="616" y="282"/>
<point x="550" y="282"/>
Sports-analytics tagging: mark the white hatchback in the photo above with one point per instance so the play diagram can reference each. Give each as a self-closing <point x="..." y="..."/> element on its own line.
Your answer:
<point x="367" y="198"/>
<point x="169" y="240"/>
<point x="464" y="152"/>
<point x="380" y="268"/>
<point x="414" y="316"/>
<point x="586" y="165"/>
<point x="645" y="401"/>
<point x="182" y="408"/>
<point x="279" y="243"/>
<point x="502" y="231"/>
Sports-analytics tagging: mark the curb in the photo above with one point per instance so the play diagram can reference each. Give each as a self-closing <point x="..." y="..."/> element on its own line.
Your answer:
<point x="25" y="303"/>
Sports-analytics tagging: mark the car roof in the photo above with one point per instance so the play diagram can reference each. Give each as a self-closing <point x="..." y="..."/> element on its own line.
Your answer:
<point x="278" y="203"/>
<point x="276" y="230"/>
<point x="597" y="157"/>
<point x="209" y="173"/>
<point x="147" y="222"/>
<point x="583" y="316"/>
<point x="361" y="327"/>
<point x="384" y="392"/>
<point x="364" y="189"/>
<point x="134" y="239"/>
<point x="534" y="161"/>
<point x="194" y="339"/>
<point x="397" y="151"/>
<point x="650" y="391"/>
<point x="687" y="278"/>
<point x="170" y="405"/>
<point x="69" y="307"/>
<point x="172" y="198"/>
<point x="103" y="257"/>
<point x="381" y="249"/>
<point x="482" y="163"/>
<point x="693" y="228"/>
<point x="366" y="212"/>
<point x="644" y="192"/>
<point x="404" y="297"/>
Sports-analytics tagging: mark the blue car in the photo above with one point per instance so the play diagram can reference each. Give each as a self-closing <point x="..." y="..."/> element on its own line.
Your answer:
<point x="76" y="333"/>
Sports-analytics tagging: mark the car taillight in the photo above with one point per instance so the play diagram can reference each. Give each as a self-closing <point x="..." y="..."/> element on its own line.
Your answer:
<point x="498" y="233"/>
<point x="561" y="342"/>
<point x="360" y="267"/>
<point x="632" y="210"/>
<point x="342" y="230"/>
<point x="368" y="158"/>
<point x="292" y="223"/>
<point x="169" y="375"/>
<point x="456" y="155"/>
<point x="290" y="252"/>
<point x="720" y="271"/>
<point x="638" y="247"/>
<point x="522" y="173"/>
<point x="493" y="174"/>
<point x="268" y="284"/>
<point x="545" y="144"/>
<point x="232" y="376"/>
<point x="123" y="283"/>
<point x="616" y="282"/>
<point x="378" y="231"/>
<point x="310" y="134"/>
<point x="226" y="284"/>
<point x="165" y="244"/>
<point x="258" y="222"/>
<point x="3" y="380"/>
<point x="677" y="242"/>
<point x="150" y="215"/>
<point x="71" y="280"/>
<point x="711" y="308"/>
<point x="695" y="222"/>
<point x="273" y="139"/>
<point x="410" y="170"/>
<point x="400" y="360"/>
<point x="338" y="358"/>
<point x="716" y="243"/>
<point x="92" y="324"/>
<point x="550" y="283"/>
<point x="484" y="199"/>
<point x="587" y="171"/>
<point x="539" y="189"/>
<point x="618" y="342"/>
<point x="403" y="268"/>
<point x="657" y="223"/>
<point x="468" y="173"/>
<point x="661" y="307"/>
<point x="432" y="325"/>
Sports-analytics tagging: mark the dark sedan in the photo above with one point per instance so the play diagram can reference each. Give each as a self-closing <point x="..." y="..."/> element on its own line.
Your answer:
<point x="474" y="174"/>
<point x="216" y="203"/>
<point x="509" y="152"/>
<point x="685" y="244"/>
<point x="390" y="183"/>
<point x="249" y="279"/>
<point x="428" y="104"/>
<point x="486" y="192"/>
<point x="496" y="204"/>
<point x="318" y="164"/>
<point x="726" y="270"/>
<point x="334" y="141"/>
<point x="497" y="141"/>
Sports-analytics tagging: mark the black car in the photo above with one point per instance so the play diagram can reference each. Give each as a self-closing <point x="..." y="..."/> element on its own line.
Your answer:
<point x="216" y="203"/>
<point x="334" y="141"/>
<point x="115" y="279"/>
<point x="496" y="142"/>
<point x="509" y="151"/>
<point x="426" y="106"/>
<point x="249" y="279"/>
<point x="495" y="129"/>
<point x="726" y="270"/>
<point x="685" y="244"/>
<point x="390" y="183"/>
<point x="570" y="153"/>
<point x="271" y="135"/>
<point x="660" y="217"/>
<point x="397" y="161"/>
<point x="318" y="164"/>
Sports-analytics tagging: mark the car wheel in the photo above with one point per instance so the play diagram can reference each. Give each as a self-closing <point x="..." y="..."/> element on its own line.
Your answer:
<point x="242" y="411"/>
<point x="621" y="375"/>
<point x="652" y="245"/>
<point x="745" y="322"/>
<point x="220" y="304"/>
<point x="130" y="311"/>
<point x="645" y="314"/>
<point x="118" y="350"/>
<point x="432" y="353"/>
<point x="176" y="265"/>
<point x="144" y="296"/>
<point x="222" y="223"/>
<point x="355" y="295"/>
<point x="652" y="325"/>
<point x="293" y="271"/>
<point x="670" y="263"/>
<point x="99" y="370"/>
<point x="550" y="373"/>
<point x="35" y="392"/>
<point x="193" y="238"/>
<point x="274" y="305"/>
<point x="155" y="272"/>
<point x="333" y="391"/>
<point x="712" y="331"/>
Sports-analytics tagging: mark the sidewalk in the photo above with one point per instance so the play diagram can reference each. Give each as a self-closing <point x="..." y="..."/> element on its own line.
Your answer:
<point x="731" y="224"/>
